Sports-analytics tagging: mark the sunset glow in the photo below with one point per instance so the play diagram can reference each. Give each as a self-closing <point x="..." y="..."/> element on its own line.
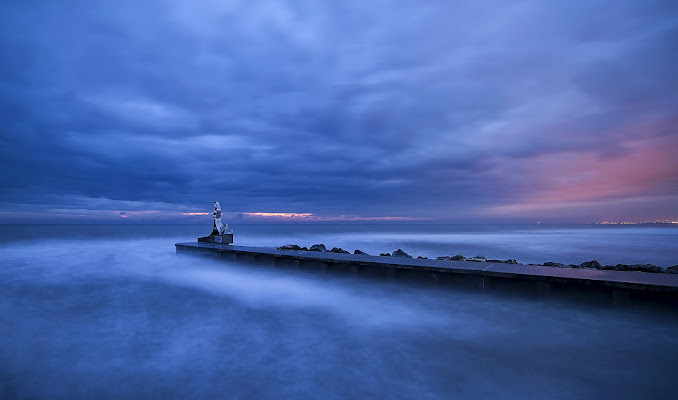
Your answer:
<point x="279" y="215"/>
<point x="329" y="218"/>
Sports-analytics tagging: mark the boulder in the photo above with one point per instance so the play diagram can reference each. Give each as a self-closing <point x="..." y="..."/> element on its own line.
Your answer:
<point x="360" y="252"/>
<point x="554" y="264"/>
<point x="458" y="257"/>
<point x="477" y="259"/>
<point x="609" y="267"/>
<point x="674" y="268"/>
<point x="593" y="264"/>
<point x="401" y="253"/>
<point x="572" y="266"/>
<point x="671" y="270"/>
<point x="304" y="248"/>
<point x="339" y="250"/>
<point x="621" y="267"/>
<point x="645" y="268"/>
<point x="385" y="254"/>
<point x="289" y="247"/>
<point x="318" y="247"/>
<point x="509" y="261"/>
<point x="426" y="258"/>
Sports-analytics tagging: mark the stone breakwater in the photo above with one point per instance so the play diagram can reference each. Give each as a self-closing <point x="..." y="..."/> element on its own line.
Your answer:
<point x="593" y="264"/>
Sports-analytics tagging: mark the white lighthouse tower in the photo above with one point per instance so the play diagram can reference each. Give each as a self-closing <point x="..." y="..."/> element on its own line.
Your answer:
<point x="220" y="232"/>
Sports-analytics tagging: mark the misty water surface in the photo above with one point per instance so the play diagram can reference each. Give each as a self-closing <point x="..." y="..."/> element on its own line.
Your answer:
<point x="113" y="312"/>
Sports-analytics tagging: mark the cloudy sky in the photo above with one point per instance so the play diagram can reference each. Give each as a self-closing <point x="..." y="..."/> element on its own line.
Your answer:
<point x="339" y="110"/>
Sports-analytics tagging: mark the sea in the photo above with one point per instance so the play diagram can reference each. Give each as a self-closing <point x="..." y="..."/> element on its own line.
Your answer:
<point x="112" y="312"/>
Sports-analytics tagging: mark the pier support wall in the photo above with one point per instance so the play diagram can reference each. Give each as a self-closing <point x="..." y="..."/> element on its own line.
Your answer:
<point x="542" y="282"/>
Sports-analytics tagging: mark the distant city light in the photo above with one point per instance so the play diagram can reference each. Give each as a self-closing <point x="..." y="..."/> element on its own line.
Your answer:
<point x="635" y="223"/>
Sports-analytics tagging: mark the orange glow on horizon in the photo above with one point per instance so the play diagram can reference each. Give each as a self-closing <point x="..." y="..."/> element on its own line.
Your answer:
<point x="329" y="218"/>
<point x="281" y="215"/>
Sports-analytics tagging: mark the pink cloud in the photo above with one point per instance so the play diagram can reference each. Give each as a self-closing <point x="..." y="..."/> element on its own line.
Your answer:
<point x="570" y="180"/>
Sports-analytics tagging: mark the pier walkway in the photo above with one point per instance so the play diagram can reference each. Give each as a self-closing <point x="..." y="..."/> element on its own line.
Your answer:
<point x="621" y="286"/>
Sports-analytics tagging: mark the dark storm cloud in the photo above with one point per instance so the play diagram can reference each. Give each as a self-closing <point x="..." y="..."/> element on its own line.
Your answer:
<point x="387" y="108"/>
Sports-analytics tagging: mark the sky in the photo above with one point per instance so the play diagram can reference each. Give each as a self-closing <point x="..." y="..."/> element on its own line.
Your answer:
<point x="358" y="111"/>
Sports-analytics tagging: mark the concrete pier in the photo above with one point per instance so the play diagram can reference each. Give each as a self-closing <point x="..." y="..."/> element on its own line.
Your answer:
<point x="620" y="287"/>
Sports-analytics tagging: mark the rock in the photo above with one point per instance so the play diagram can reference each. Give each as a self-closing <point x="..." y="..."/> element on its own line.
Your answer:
<point x="426" y="258"/>
<point x="674" y="268"/>
<point x="608" y="267"/>
<point x="304" y="248"/>
<point x="477" y="259"/>
<point x="289" y="247"/>
<point x="509" y="261"/>
<point x="621" y="267"/>
<point x="572" y="266"/>
<point x="339" y="250"/>
<point x="318" y="247"/>
<point x="645" y="268"/>
<point x="385" y="254"/>
<point x="671" y="270"/>
<point x="593" y="264"/>
<point x="554" y="264"/>
<point x="458" y="257"/>
<point x="401" y="253"/>
<point x="360" y="252"/>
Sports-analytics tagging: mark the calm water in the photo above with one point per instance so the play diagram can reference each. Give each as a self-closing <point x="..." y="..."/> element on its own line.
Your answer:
<point x="113" y="312"/>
